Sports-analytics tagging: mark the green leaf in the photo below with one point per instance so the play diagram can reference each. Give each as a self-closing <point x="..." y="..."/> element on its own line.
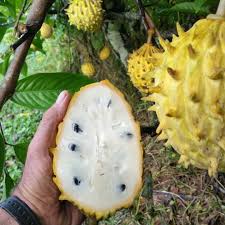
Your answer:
<point x="2" y="32"/>
<point x="3" y="18"/>
<point x="200" y="6"/>
<point x="4" y="10"/>
<point x="10" y="6"/>
<point x="199" y="3"/>
<point x="190" y="7"/>
<point x="98" y="40"/>
<point x="21" y="151"/>
<point x="9" y="185"/>
<point x="40" y="91"/>
<point x="18" y="4"/>
<point x="4" y="65"/>
<point x="2" y="154"/>
<point x="212" y="3"/>
<point x="24" y="69"/>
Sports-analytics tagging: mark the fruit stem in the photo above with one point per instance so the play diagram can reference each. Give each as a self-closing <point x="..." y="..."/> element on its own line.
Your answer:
<point x="151" y="24"/>
<point x="148" y="22"/>
<point x="221" y="8"/>
<point x="150" y="34"/>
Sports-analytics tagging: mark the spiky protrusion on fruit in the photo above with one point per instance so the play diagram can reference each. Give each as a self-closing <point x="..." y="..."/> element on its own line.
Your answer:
<point x="104" y="53"/>
<point x="86" y="15"/>
<point x="140" y="63"/>
<point x="46" y="30"/>
<point x="190" y="94"/>
<point x="99" y="158"/>
<point x="88" y="69"/>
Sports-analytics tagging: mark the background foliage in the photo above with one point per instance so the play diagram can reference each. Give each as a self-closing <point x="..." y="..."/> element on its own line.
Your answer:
<point x="53" y="65"/>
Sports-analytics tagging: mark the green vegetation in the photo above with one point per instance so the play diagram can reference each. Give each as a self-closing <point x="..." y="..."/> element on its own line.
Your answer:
<point x="171" y="194"/>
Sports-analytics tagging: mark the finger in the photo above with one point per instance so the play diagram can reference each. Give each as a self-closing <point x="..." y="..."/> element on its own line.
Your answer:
<point x="45" y="135"/>
<point x="76" y="216"/>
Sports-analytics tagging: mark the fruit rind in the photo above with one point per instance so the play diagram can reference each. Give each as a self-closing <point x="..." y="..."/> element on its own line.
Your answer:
<point x="188" y="92"/>
<point x="86" y="15"/>
<point x="140" y="63"/>
<point x="104" y="53"/>
<point x="88" y="69"/>
<point x="46" y="31"/>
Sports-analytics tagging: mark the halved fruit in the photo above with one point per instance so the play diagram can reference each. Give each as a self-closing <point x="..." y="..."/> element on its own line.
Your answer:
<point x="98" y="159"/>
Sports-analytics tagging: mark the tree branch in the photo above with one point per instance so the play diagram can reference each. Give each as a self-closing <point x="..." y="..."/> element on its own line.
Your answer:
<point x="221" y="8"/>
<point x="35" y="19"/>
<point x="148" y="22"/>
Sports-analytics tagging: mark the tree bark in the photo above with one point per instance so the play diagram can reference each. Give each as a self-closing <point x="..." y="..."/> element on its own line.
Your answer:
<point x="221" y="8"/>
<point x="35" y="19"/>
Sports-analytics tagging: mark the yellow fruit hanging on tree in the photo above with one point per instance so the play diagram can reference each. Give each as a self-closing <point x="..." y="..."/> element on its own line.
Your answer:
<point x="33" y="47"/>
<point x="86" y="15"/>
<point x="88" y="69"/>
<point x="189" y="94"/>
<point x="140" y="63"/>
<point x="46" y="30"/>
<point x="104" y="53"/>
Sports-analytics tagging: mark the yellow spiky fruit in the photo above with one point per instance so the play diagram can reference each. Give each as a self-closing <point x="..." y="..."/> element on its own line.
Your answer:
<point x="88" y="69"/>
<point x="189" y="94"/>
<point x="46" y="30"/>
<point x="98" y="161"/>
<point x="104" y="53"/>
<point x="140" y="63"/>
<point x="86" y="15"/>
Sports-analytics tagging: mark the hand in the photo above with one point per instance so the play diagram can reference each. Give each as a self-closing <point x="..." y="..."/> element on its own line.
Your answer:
<point x="36" y="187"/>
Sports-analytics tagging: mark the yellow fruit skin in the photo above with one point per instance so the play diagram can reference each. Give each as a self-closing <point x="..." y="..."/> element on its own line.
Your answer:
<point x="190" y="96"/>
<point x="86" y="15"/>
<point x="46" y="30"/>
<point x="88" y="69"/>
<point x="104" y="53"/>
<point x="140" y="63"/>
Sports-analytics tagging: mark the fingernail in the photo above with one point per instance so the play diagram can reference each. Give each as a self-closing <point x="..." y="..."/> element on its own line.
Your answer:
<point x="61" y="97"/>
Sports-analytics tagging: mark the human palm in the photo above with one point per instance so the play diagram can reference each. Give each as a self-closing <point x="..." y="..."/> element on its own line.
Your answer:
<point x="36" y="187"/>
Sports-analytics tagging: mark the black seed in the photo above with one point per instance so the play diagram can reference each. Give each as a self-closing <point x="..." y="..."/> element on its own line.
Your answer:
<point x="77" y="181"/>
<point x="109" y="103"/>
<point x="77" y="128"/>
<point x="130" y="135"/>
<point x="72" y="147"/>
<point x="122" y="187"/>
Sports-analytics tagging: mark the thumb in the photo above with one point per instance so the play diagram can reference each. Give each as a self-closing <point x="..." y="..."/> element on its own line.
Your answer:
<point x="45" y="135"/>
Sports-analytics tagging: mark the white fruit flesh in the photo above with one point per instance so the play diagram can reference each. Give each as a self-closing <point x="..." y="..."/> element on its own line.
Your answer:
<point x="98" y="160"/>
